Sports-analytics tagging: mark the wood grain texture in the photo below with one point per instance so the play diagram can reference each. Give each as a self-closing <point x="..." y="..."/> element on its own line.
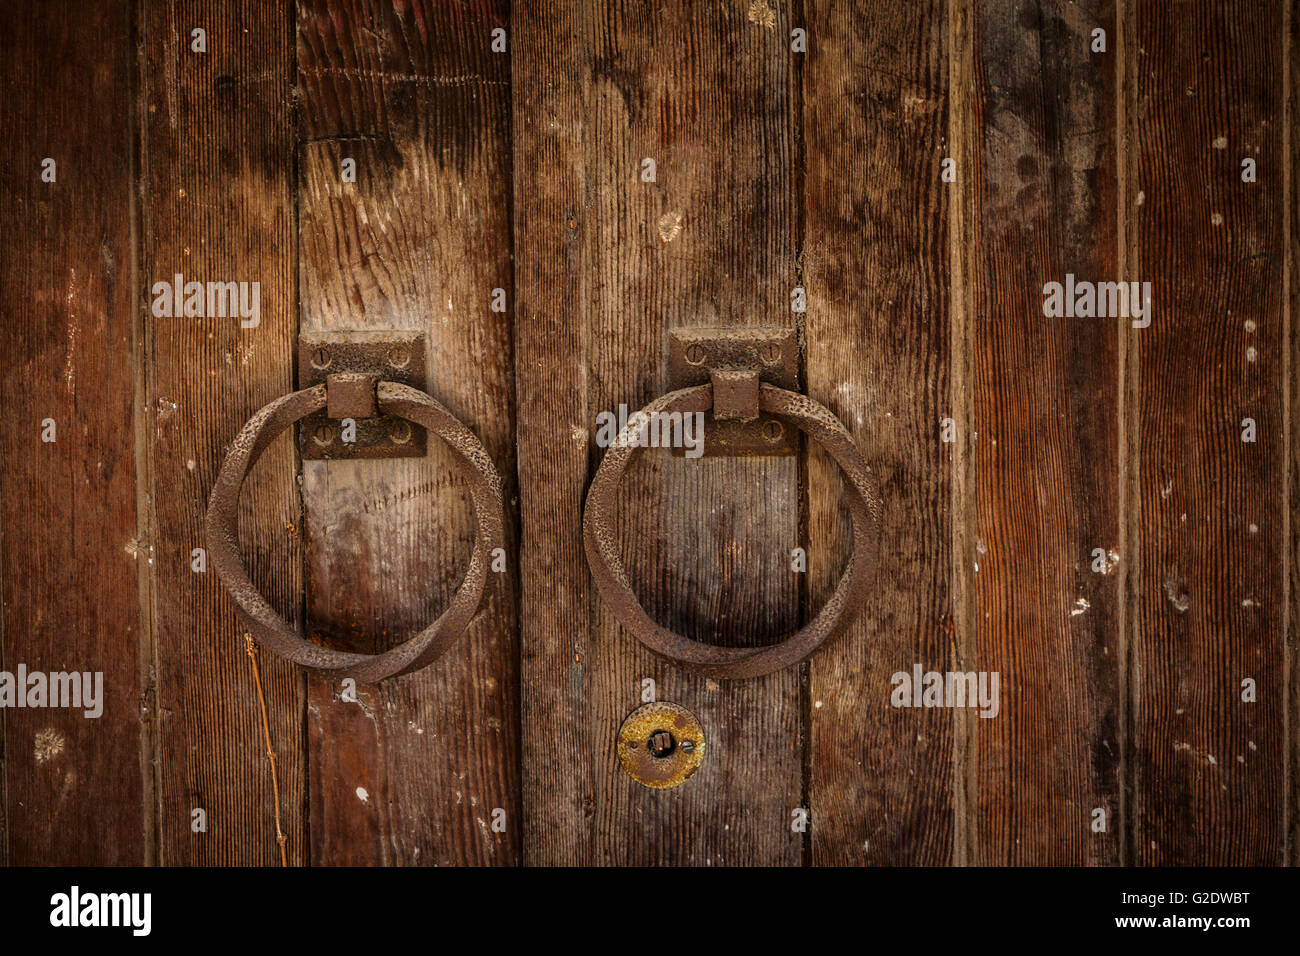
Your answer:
<point x="1209" y="606"/>
<point x="553" y="441"/>
<point x="218" y="206"/>
<point x="412" y="771"/>
<point x="704" y="91"/>
<point x="877" y="332"/>
<point x="520" y="170"/>
<point x="73" y="789"/>
<point x="1045" y="440"/>
<point x="1291" y="309"/>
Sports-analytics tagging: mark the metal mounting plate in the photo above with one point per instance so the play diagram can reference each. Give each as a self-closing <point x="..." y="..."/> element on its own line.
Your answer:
<point x="694" y="354"/>
<point x="390" y="356"/>
<point x="660" y="745"/>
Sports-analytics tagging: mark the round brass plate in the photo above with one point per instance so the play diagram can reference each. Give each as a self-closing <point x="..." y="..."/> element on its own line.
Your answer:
<point x="660" y="745"/>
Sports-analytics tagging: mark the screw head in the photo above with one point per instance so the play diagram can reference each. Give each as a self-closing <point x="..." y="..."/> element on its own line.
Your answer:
<point x="398" y="357"/>
<point x="324" y="434"/>
<point x="321" y="358"/>
<point x="773" y="430"/>
<point x="688" y="746"/>
<point x="770" y="352"/>
<point x="400" y="432"/>
<point x="695" y="353"/>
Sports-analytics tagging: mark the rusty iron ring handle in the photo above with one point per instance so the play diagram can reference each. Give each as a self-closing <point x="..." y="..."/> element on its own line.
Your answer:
<point x="221" y="533"/>
<point x="729" y="662"/>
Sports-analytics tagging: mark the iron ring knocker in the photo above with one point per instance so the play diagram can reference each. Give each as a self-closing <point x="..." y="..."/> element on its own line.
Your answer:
<point x="845" y="602"/>
<point x="221" y="533"/>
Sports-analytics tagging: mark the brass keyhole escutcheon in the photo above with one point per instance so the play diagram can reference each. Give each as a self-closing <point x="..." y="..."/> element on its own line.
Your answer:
<point x="660" y="745"/>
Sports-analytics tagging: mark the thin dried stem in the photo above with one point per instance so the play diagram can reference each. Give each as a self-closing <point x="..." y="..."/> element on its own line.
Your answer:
<point x="251" y="648"/>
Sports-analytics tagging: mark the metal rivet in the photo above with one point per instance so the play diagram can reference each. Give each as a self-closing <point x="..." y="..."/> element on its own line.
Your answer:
<point x="695" y="353"/>
<point x="772" y="430"/>
<point x="321" y="358"/>
<point x="324" y="434"/>
<point x="400" y="432"/>
<point x="399" y="358"/>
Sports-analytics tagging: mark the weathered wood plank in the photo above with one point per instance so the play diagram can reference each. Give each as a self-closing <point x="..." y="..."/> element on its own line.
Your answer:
<point x="74" y="787"/>
<point x="551" y="257"/>
<point x="875" y="114"/>
<point x="704" y="92"/>
<point x="1045" y="441"/>
<point x="1291" y="539"/>
<point x="1208" y="606"/>
<point x="218" y="206"/>
<point x="411" y="772"/>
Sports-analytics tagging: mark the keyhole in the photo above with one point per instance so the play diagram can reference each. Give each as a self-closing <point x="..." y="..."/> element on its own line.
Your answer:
<point x="661" y="744"/>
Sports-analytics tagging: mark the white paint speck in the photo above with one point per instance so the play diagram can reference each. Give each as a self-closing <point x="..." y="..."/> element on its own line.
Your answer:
<point x="362" y="795"/>
<point x="1221" y="143"/>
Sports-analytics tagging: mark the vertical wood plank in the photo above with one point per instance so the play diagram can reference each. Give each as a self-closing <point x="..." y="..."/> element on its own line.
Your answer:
<point x="1291" y="305"/>
<point x="1210" y="767"/>
<point x="876" y="266"/>
<point x="552" y="255"/>
<point x="411" y="772"/>
<point x="74" y="788"/>
<point x="1045" y="441"/>
<point x="704" y="91"/>
<point x="218" y="206"/>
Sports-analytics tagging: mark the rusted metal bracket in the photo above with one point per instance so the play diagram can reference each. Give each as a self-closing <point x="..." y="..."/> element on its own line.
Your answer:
<point x="351" y="365"/>
<point x="735" y="360"/>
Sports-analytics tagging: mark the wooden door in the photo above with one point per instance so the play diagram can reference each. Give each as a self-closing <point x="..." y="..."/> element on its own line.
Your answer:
<point x="1096" y="509"/>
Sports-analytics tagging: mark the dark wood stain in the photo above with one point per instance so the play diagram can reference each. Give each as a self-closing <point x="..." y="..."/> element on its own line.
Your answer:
<point x="1045" y="441"/>
<point x="1209" y="603"/>
<point x="68" y="507"/>
<point x="220" y="221"/>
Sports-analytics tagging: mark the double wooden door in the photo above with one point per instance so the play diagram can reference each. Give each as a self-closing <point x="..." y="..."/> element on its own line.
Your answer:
<point x="543" y="192"/>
